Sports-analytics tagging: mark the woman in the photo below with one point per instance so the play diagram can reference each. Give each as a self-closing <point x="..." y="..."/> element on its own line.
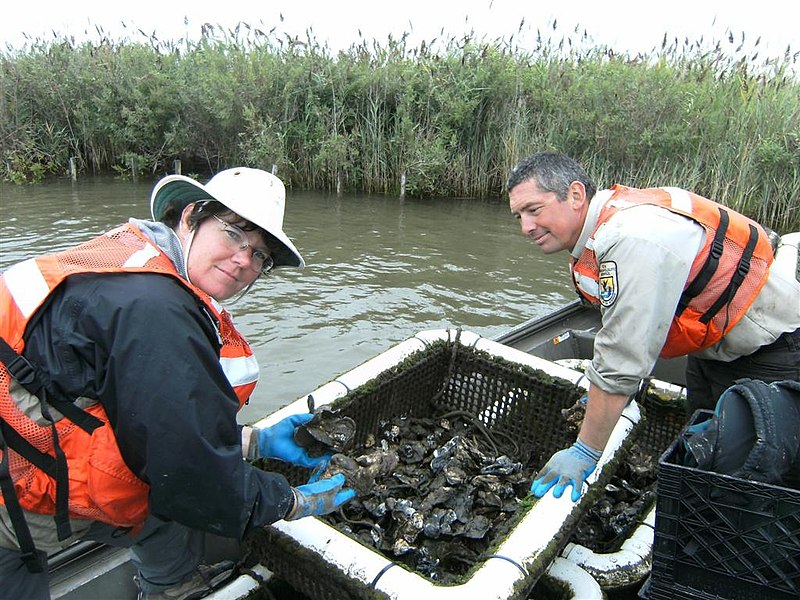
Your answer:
<point x="126" y="376"/>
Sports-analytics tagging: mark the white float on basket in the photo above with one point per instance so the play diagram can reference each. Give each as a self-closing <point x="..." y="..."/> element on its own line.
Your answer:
<point x="502" y="574"/>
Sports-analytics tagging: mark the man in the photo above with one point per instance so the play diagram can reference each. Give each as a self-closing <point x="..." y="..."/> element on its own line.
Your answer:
<point x="673" y="274"/>
<point x="118" y="420"/>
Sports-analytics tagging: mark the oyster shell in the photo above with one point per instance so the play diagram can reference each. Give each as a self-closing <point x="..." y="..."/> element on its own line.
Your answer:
<point x="326" y="432"/>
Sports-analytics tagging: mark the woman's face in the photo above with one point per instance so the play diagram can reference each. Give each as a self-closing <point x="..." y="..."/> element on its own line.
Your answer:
<point x="216" y="263"/>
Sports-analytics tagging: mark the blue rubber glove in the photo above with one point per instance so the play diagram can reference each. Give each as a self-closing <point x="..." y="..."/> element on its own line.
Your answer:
<point x="278" y="442"/>
<point x="319" y="470"/>
<point x="319" y="498"/>
<point x="566" y="467"/>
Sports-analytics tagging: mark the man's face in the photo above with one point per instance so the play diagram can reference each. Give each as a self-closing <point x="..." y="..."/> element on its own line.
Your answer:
<point x="554" y="225"/>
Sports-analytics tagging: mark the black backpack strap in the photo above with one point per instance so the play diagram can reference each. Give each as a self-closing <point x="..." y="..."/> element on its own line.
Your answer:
<point x="709" y="268"/>
<point x="35" y="560"/>
<point x="29" y="377"/>
<point x="61" y="517"/>
<point x="27" y="450"/>
<point x="54" y="467"/>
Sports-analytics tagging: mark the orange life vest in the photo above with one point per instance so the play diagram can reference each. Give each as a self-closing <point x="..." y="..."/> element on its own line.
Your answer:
<point x="726" y="276"/>
<point x="101" y="487"/>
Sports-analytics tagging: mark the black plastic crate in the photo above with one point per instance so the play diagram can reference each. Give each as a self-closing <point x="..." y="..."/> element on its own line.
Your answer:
<point x="722" y="537"/>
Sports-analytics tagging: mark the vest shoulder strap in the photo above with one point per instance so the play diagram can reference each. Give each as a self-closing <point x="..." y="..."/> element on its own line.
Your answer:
<point x="30" y="377"/>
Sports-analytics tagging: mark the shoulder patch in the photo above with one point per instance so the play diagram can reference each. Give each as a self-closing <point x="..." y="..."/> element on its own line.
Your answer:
<point x="607" y="281"/>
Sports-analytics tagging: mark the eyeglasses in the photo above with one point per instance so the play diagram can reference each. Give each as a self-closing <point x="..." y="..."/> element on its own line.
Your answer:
<point x="236" y="239"/>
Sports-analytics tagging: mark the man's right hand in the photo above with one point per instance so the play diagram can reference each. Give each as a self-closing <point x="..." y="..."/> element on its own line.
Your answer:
<point x="319" y="498"/>
<point x="566" y="467"/>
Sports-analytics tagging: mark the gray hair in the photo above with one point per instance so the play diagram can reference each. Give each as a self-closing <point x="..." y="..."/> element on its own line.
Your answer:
<point x="552" y="172"/>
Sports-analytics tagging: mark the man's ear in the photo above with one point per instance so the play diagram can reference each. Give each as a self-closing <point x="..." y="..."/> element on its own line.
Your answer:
<point x="576" y="194"/>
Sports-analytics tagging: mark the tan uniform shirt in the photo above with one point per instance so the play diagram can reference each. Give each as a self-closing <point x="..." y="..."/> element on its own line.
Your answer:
<point x="653" y="249"/>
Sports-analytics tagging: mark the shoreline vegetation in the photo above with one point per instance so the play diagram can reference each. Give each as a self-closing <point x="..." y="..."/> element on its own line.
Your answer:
<point x="444" y="118"/>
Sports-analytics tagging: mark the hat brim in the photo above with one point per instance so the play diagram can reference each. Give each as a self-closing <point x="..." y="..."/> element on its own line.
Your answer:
<point x="178" y="191"/>
<point x="175" y="191"/>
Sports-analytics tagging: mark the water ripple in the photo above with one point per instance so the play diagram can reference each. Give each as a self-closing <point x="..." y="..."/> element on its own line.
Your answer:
<point x="378" y="271"/>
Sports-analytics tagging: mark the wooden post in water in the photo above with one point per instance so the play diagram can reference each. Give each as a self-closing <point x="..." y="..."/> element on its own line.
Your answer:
<point x="402" y="185"/>
<point x="338" y="183"/>
<point x="275" y="170"/>
<point x="176" y="166"/>
<point x="134" y="173"/>
<point x="73" y="170"/>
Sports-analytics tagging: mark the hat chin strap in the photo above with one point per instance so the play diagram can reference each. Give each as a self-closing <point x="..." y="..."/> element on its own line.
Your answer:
<point x="244" y="291"/>
<point x="186" y="248"/>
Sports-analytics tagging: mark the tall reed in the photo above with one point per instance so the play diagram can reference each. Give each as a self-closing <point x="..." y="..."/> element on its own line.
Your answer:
<point x="449" y="117"/>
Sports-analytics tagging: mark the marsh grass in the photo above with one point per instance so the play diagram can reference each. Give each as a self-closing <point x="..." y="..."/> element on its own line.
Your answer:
<point x="451" y="116"/>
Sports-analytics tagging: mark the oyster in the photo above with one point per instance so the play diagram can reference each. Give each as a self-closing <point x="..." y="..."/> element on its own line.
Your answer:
<point x="362" y="472"/>
<point x="432" y="492"/>
<point x="435" y="493"/>
<point x="326" y="432"/>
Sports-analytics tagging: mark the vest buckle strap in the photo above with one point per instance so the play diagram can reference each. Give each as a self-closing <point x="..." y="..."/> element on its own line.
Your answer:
<point x="22" y="371"/>
<point x="716" y="248"/>
<point x="742" y="269"/>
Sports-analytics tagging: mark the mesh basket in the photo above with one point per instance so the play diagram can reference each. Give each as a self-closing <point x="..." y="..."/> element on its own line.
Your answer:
<point x="508" y="398"/>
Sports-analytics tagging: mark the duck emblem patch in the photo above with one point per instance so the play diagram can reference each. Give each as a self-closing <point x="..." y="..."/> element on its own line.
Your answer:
<point x="609" y="287"/>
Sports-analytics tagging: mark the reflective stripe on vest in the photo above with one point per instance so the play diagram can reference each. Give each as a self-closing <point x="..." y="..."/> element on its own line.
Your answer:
<point x="241" y="370"/>
<point x="27" y="285"/>
<point x="111" y="493"/>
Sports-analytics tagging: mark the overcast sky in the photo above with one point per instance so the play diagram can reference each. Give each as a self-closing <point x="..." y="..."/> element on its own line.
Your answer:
<point x="633" y="26"/>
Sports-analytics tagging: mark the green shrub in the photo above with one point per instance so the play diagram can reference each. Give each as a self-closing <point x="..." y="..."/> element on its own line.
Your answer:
<point x="450" y="117"/>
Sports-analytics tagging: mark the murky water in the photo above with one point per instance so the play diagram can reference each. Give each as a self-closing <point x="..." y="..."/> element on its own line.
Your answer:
<point x="378" y="271"/>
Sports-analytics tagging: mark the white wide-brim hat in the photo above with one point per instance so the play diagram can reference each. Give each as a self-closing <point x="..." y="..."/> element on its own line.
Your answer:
<point x="253" y="194"/>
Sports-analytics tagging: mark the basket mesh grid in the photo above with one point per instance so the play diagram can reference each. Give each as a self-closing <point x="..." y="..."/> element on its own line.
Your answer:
<point x="509" y="398"/>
